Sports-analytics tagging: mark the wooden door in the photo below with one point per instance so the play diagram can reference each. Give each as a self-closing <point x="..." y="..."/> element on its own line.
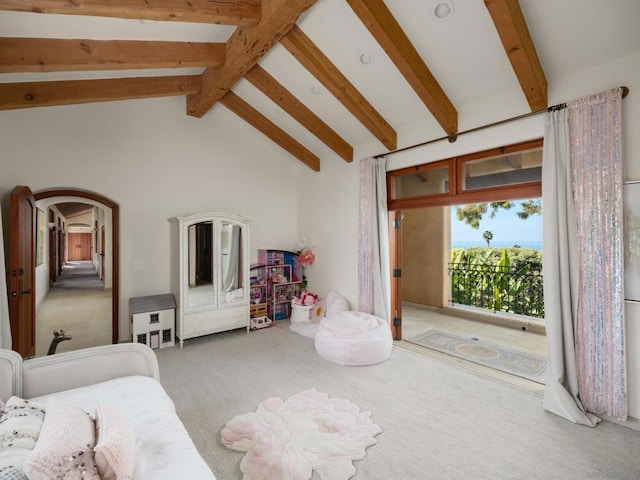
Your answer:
<point x="61" y="250"/>
<point x="52" y="256"/>
<point x="395" y="251"/>
<point x="22" y="269"/>
<point x="102" y="253"/>
<point x="79" y="246"/>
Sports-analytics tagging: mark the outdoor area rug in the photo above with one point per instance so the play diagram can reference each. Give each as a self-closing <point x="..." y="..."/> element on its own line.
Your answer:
<point x="309" y="431"/>
<point x="516" y="363"/>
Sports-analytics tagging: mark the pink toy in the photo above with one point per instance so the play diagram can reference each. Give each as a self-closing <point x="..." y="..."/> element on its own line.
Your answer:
<point x="306" y="299"/>
<point x="306" y="257"/>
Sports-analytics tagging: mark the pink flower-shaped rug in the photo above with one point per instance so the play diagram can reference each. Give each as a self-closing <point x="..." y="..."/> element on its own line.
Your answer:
<point x="288" y="440"/>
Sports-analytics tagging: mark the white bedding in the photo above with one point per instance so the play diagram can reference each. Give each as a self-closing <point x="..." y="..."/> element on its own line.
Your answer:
<point x="164" y="450"/>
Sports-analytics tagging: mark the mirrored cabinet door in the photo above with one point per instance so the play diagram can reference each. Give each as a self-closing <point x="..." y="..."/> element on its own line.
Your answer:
<point x="232" y="287"/>
<point x="201" y="251"/>
<point x="209" y="273"/>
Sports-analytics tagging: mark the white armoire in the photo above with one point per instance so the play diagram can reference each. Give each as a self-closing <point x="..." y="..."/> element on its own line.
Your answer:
<point x="209" y="273"/>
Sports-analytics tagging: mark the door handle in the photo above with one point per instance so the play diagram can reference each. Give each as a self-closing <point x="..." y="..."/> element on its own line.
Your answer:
<point x="21" y="292"/>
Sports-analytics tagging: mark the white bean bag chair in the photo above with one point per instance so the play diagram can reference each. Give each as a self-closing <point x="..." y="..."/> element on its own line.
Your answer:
<point x="353" y="338"/>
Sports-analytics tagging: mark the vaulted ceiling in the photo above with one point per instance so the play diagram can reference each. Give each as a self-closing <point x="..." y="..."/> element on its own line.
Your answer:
<point x="312" y="75"/>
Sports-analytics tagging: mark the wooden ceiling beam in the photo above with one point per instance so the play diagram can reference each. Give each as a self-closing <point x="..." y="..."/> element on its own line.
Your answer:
<point x="263" y="81"/>
<point x="225" y="12"/>
<point x="317" y="63"/>
<point x="70" y="92"/>
<point x="56" y="55"/>
<point x="512" y="28"/>
<point x="245" y="48"/>
<point x="381" y="23"/>
<point x="254" y="118"/>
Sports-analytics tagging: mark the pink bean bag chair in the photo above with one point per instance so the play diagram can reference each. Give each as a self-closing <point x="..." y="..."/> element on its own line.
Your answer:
<point x="353" y="338"/>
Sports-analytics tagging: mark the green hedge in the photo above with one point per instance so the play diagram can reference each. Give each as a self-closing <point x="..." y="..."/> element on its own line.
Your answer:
<point x="498" y="279"/>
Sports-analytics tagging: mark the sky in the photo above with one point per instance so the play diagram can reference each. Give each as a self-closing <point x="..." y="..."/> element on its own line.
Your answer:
<point x="505" y="226"/>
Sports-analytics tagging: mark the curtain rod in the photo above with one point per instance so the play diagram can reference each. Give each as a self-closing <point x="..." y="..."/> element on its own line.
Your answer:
<point x="454" y="136"/>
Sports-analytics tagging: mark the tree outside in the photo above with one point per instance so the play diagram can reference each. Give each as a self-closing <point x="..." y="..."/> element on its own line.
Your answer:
<point x="473" y="213"/>
<point x="505" y="277"/>
<point x="488" y="236"/>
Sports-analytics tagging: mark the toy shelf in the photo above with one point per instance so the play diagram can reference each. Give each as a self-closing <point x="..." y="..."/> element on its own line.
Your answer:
<point x="275" y="280"/>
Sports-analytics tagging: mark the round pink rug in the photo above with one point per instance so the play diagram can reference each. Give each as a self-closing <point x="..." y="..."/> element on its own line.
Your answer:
<point x="288" y="440"/>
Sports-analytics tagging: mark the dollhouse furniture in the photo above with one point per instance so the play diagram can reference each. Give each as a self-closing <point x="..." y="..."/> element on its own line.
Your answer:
<point x="209" y="273"/>
<point x="153" y="320"/>
<point x="257" y="292"/>
<point x="276" y="279"/>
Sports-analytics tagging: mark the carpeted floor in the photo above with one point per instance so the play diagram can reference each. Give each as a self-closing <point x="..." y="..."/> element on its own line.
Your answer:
<point x="438" y="421"/>
<point x="507" y="360"/>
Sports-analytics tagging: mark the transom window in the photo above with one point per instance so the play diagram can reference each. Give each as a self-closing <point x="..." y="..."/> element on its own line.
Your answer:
<point x="504" y="173"/>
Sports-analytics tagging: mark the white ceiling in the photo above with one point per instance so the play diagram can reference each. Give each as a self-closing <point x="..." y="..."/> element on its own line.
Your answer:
<point x="463" y="52"/>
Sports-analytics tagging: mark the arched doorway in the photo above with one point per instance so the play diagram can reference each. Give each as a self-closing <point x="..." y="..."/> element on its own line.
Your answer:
<point x="115" y="244"/>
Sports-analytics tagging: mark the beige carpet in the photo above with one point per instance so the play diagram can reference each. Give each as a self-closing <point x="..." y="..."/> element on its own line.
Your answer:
<point x="438" y="421"/>
<point x="472" y="349"/>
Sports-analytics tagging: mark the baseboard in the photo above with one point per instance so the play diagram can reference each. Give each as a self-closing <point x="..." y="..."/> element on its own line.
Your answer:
<point x="517" y="322"/>
<point x="631" y="422"/>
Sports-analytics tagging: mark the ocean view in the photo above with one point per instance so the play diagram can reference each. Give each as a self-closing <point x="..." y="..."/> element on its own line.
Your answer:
<point x="481" y="243"/>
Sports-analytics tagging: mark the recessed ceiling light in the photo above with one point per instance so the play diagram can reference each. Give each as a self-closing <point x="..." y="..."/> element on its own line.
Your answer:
<point x="443" y="10"/>
<point x="315" y="90"/>
<point x="366" y="58"/>
<point x="147" y="22"/>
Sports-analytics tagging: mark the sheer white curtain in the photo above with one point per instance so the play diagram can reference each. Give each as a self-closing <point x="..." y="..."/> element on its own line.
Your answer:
<point x="5" y="326"/>
<point x="582" y="228"/>
<point x="374" y="282"/>
<point x="560" y="268"/>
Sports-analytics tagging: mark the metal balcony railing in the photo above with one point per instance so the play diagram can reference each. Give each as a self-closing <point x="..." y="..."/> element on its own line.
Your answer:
<point x="497" y="288"/>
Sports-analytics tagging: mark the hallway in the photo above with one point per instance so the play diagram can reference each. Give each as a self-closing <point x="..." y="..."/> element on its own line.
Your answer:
<point x="78" y="304"/>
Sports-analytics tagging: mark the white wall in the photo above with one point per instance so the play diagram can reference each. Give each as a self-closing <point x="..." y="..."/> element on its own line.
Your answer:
<point x="328" y="219"/>
<point x="155" y="162"/>
<point x="328" y="202"/>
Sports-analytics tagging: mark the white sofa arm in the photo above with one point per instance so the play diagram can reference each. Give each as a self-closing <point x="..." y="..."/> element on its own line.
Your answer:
<point x="64" y="371"/>
<point x="10" y="374"/>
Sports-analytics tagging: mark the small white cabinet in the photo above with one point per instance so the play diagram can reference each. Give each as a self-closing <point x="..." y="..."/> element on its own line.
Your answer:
<point x="209" y="273"/>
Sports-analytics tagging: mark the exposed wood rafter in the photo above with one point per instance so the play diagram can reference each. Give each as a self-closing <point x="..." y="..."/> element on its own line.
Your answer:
<point x="263" y="81"/>
<point x="56" y="55"/>
<point x="245" y="47"/>
<point x="375" y="15"/>
<point x="317" y="63"/>
<point x="514" y="34"/>
<point x="260" y="25"/>
<point x="268" y="128"/>
<point x="73" y="209"/>
<point x="46" y="94"/>
<point x="226" y="12"/>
